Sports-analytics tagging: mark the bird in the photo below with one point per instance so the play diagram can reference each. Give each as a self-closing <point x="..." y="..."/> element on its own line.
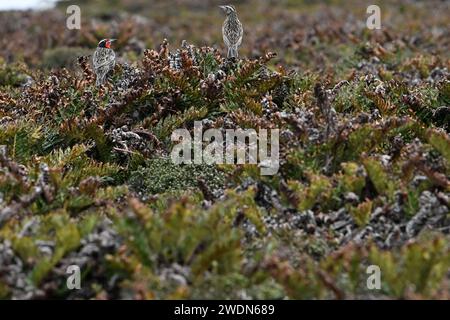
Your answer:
<point x="104" y="60"/>
<point x="232" y="31"/>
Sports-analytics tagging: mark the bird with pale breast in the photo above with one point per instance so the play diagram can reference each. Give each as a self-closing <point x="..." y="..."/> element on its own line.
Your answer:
<point x="104" y="60"/>
<point x="232" y="31"/>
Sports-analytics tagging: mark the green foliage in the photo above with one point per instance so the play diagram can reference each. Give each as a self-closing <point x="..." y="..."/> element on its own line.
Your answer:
<point x="57" y="228"/>
<point x="161" y="175"/>
<point x="440" y="142"/>
<point x="364" y="156"/>
<point x="318" y="190"/>
<point x="183" y="235"/>
<point x="10" y="76"/>
<point x="380" y="179"/>
<point x="351" y="180"/>
<point x="361" y="214"/>
<point x="423" y="265"/>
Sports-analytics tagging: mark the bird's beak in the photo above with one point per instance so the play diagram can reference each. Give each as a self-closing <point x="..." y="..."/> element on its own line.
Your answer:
<point x="222" y="7"/>
<point x="112" y="40"/>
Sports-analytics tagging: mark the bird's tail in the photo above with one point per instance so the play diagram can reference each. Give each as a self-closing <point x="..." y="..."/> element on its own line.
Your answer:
<point x="233" y="52"/>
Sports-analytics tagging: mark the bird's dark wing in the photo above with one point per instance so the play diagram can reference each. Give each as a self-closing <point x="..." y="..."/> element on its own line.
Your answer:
<point x="103" y="57"/>
<point x="235" y="33"/>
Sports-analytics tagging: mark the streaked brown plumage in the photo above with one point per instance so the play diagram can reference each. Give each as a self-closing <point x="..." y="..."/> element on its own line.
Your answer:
<point x="104" y="60"/>
<point x="232" y="31"/>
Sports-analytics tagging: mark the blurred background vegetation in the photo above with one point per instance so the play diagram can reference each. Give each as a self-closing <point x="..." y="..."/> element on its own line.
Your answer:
<point x="305" y="34"/>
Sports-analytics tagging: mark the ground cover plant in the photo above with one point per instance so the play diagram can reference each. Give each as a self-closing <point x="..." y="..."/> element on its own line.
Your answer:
<point x="86" y="177"/>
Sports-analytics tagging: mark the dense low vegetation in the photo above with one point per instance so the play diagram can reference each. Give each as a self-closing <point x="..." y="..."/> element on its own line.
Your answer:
<point x="86" y="178"/>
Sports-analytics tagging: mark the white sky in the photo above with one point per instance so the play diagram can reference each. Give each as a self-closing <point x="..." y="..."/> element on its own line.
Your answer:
<point x="24" y="4"/>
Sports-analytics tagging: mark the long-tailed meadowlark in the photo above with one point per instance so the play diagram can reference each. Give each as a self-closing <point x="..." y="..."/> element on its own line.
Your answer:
<point x="104" y="60"/>
<point x="232" y="31"/>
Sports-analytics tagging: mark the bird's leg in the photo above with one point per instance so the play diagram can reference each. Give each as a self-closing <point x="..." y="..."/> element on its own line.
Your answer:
<point x="229" y="55"/>
<point x="234" y="52"/>
<point x="100" y="78"/>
